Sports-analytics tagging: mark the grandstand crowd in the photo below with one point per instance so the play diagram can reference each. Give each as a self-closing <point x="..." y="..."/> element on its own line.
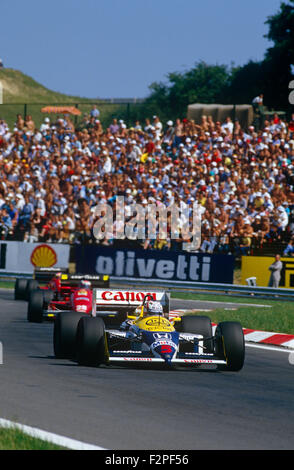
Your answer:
<point x="52" y="176"/>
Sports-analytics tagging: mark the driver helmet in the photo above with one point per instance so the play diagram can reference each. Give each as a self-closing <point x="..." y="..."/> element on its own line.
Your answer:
<point x="153" y="308"/>
<point x="85" y="284"/>
<point x="58" y="275"/>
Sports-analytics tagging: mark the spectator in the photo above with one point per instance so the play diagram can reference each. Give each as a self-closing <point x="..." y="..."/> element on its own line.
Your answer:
<point x="5" y="223"/>
<point x="275" y="269"/>
<point x="19" y="124"/>
<point x="33" y="234"/>
<point x="257" y="102"/>
<point x="258" y="109"/>
<point x="289" y="250"/>
<point x="114" y="127"/>
<point x="228" y="126"/>
<point x="241" y="179"/>
<point x="45" y="126"/>
<point x="29" y="124"/>
<point x="158" y="126"/>
<point x="95" y="113"/>
<point x="169" y="134"/>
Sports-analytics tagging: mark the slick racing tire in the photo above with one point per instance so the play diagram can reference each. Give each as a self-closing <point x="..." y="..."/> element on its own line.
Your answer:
<point x="199" y="325"/>
<point x="64" y="334"/>
<point x="230" y="345"/>
<point x="35" y="306"/>
<point x="31" y="285"/>
<point x="91" y="342"/>
<point x="20" y="289"/>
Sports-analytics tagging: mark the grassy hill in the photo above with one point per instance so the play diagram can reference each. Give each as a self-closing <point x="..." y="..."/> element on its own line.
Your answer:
<point x="22" y="94"/>
<point x="20" y="88"/>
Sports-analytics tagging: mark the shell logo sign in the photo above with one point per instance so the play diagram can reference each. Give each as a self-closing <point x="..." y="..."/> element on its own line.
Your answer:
<point x="43" y="256"/>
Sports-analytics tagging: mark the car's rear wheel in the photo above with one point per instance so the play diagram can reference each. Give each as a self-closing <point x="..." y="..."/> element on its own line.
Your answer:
<point x="35" y="306"/>
<point x="199" y="325"/>
<point x="32" y="284"/>
<point x="64" y="334"/>
<point x="91" y="342"/>
<point x="230" y="345"/>
<point x="20" y="289"/>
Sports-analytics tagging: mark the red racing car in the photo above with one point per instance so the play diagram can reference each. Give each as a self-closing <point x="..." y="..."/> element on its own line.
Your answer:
<point x="64" y="292"/>
<point x="41" y="277"/>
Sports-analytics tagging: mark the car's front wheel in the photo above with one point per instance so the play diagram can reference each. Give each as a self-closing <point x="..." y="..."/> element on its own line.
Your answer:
<point x="35" y="306"/>
<point x="91" y="342"/>
<point x="230" y="345"/>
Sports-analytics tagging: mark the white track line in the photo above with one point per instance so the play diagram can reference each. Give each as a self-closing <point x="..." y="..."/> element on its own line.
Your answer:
<point x="272" y="348"/>
<point x="48" y="436"/>
<point x="224" y="303"/>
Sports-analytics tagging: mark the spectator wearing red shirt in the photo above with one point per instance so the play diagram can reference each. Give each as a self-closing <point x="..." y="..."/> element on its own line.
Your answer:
<point x="150" y="146"/>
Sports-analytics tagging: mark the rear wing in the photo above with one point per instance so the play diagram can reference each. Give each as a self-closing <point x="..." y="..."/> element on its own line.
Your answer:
<point x="73" y="280"/>
<point x="46" y="274"/>
<point x="118" y="300"/>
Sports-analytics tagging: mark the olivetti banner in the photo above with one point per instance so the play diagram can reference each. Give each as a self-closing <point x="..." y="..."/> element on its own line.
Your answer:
<point x="155" y="264"/>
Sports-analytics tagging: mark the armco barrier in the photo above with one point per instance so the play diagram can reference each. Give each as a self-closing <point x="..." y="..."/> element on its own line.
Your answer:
<point x="13" y="276"/>
<point x="193" y="287"/>
<point x="216" y="289"/>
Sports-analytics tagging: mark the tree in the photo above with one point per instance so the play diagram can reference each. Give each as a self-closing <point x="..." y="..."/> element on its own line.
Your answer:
<point x="245" y="83"/>
<point x="235" y="85"/>
<point x="202" y="84"/>
<point x="279" y="59"/>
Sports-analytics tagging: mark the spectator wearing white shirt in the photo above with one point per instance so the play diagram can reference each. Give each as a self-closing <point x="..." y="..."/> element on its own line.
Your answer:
<point x="45" y="126"/>
<point x="228" y="126"/>
<point x="258" y="99"/>
<point x="107" y="164"/>
<point x="158" y="126"/>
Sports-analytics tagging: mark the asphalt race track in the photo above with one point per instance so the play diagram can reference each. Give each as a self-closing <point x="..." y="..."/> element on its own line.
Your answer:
<point x="142" y="408"/>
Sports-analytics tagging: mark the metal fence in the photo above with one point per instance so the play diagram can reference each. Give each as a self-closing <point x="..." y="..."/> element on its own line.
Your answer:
<point x="230" y="290"/>
<point x="208" y="288"/>
<point x="129" y="110"/>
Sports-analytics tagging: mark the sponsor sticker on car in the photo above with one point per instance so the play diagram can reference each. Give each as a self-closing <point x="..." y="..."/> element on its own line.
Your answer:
<point x="125" y="297"/>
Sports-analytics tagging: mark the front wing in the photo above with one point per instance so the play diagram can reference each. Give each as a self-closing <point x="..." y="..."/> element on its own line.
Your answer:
<point x="59" y="306"/>
<point x="183" y="358"/>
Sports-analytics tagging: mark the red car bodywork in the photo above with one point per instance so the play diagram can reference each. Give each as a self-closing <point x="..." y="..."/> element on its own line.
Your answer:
<point x="67" y="297"/>
<point x="82" y="300"/>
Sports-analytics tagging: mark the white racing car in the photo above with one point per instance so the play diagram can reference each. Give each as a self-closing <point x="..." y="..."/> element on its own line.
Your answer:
<point x="134" y="326"/>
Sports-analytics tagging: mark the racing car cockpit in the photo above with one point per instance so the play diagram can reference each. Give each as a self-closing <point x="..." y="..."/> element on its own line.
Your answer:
<point x="147" y="309"/>
<point x="151" y="307"/>
<point x="85" y="284"/>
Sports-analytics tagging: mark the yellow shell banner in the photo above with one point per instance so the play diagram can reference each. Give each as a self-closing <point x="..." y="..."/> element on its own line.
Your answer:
<point x="43" y="256"/>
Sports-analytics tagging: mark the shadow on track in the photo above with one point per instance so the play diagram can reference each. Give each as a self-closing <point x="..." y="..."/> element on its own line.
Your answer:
<point x="145" y="367"/>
